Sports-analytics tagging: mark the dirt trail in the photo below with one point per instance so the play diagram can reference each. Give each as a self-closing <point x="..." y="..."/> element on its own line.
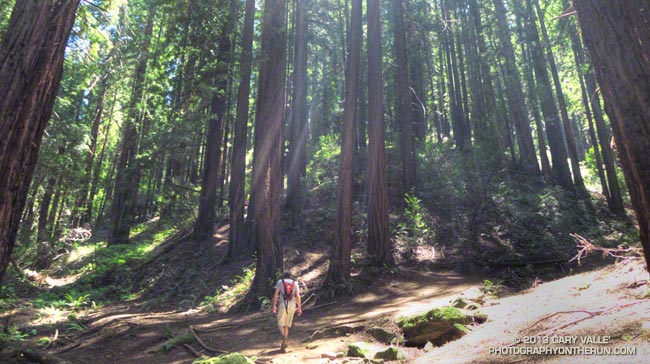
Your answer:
<point x="117" y="335"/>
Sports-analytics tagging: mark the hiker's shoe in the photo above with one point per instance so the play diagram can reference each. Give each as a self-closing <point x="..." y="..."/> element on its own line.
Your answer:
<point x="285" y="343"/>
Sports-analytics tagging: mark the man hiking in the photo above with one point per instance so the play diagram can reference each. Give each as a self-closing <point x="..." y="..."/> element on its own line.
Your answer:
<point x="289" y="293"/>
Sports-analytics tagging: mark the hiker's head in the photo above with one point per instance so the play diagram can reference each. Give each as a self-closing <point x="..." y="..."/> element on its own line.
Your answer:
<point x="286" y="275"/>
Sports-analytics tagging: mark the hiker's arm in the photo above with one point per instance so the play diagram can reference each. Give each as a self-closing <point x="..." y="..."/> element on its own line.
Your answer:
<point x="299" y="300"/>
<point x="275" y="300"/>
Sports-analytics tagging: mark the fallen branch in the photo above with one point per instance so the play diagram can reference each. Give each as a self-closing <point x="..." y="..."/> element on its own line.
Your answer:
<point x="203" y="345"/>
<point x="587" y="247"/>
<point x="590" y="313"/>
<point x="564" y="15"/>
<point x="56" y="336"/>
<point x="43" y="357"/>
<point x="320" y="306"/>
<point x="192" y="351"/>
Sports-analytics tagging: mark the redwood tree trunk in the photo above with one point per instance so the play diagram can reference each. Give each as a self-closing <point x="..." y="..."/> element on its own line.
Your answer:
<point x="403" y="98"/>
<point x="208" y="198"/>
<point x="237" y="196"/>
<point x="264" y="209"/>
<point x="569" y="133"/>
<point x="552" y="120"/>
<point x="31" y="60"/>
<point x="339" y="269"/>
<point x="125" y="190"/>
<point x="379" y="245"/>
<point x="298" y="116"/>
<point x="618" y="38"/>
<point x="518" y="115"/>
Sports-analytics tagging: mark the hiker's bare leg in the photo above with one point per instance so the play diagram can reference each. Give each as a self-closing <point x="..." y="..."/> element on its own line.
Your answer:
<point x="285" y="333"/>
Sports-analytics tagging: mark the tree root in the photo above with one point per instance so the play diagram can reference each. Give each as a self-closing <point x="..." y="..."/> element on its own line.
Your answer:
<point x="590" y="314"/>
<point x="203" y="345"/>
<point x="334" y="331"/>
<point x="43" y="357"/>
<point x="68" y="347"/>
<point x="213" y="328"/>
<point x="191" y="350"/>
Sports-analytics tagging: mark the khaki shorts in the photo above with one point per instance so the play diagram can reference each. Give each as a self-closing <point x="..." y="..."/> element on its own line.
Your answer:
<point x="285" y="314"/>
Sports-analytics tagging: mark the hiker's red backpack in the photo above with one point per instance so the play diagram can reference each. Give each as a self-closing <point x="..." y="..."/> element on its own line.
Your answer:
<point x="289" y="292"/>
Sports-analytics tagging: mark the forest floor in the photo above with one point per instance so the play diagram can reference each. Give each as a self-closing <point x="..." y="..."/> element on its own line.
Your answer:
<point x="610" y="301"/>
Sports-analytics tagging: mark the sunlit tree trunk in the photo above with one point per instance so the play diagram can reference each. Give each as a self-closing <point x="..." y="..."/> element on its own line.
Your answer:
<point x="379" y="244"/>
<point x="298" y="130"/>
<point x="264" y="208"/>
<point x="339" y="268"/>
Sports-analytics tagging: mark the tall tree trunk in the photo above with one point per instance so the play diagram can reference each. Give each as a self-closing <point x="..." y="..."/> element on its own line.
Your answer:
<point x="54" y="217"/>
<point x="619" y="52"/>
<point x="379" y="245"/>
<point x="43" y="251"/>
<point x="551" y="117"/>
<point x="403" y="97"/>
<point x="533" y="98"/>
<point x="125" y="190"/>
<point x="79" y="217"/>
<point x="339" y="268"/>
<point x="518" y="115"/>
<point x="236" y="195"/>
<point x="207" y="201"/>
<point x="298" y="130"/>
<point x="31" y="60"/>
<point x="604" y="138"/>
<point x="224" y="160"/>
<point x="264" y="208"/>
<point x="566" y="122"/>
<point x="98" y="167"/>
<point x="579" y="58"/>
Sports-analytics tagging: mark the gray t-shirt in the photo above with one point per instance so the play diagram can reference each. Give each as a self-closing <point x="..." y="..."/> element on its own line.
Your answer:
<point x="288" y="281"/>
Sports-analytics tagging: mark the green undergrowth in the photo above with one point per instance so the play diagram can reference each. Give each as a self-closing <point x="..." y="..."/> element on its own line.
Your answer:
<point x="500" y="222"/>
<point x="93" y="273"/>
<point x="230" y="293"/>
<point x="106" y="270"/>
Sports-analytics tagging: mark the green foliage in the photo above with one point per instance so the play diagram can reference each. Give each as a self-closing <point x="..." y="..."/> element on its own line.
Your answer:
<point x="230" y="293"/>
<point x="323" y="164"/>
<point x="12" y="334"/>
<point x="74" y="327"/>
<point x="231" y="358"/>
<point x="77" y="302"/>
<point x="415" y="230"/>
<point x="592" y="172"/>
<point x="492" y="289"/>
